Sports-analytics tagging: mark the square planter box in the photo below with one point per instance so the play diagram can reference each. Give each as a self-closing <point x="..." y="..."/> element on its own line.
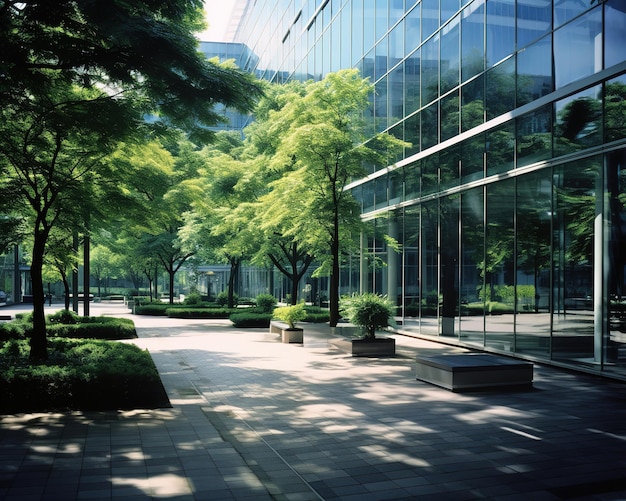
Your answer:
<point x="292" y="335"/>
<point x="378" y="347"/>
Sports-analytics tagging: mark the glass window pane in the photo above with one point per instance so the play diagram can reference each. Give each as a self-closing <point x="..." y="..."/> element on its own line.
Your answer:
<point x="412" y="133"/>
<point x="448" y="9"/>
<point x="380" y="65"/>
<point x="369" y="16"/>
<point x="472" y="107"/>
<point x="472" y="155"/>
<point x="357" y="30"/>
<point x="614" y="32"/>
<point x="577" y="48"/>
<point x="429" y="265"/>
<point x="473" y="39"/>
<point x="534" y="19"/>
<point x="573" y="248"/>
<point x="449" y="161"/>
<point x="380" y="98"/>
<point x="396" y="94"/>
<point x="449" y="265"/>
<point x="430" y="125"/>
<point x="533" y="207"/>
<point x="534" y="71"/>
<point x="616" y="215"/>
<point x="499" y="270"/>
<point x="578" y="121"/>
<point x="430" y="17"/>
<point x="615" y="109"/>
<point x="382" y="17"/>
<point x="396" y="44"/>
<point x="412" y="37"/>
<point x="500" y="30"/>
<point x="472" y="262"/>
<point x="500" y="89"/>
<point x="449" y="64"/>
<point x="500" y="148"/>
<point x="564" y="10"/>
<point x="430" y="70"/>
<point x="430" y="174"/>
<point x="534" y="136"/>
<point x="412" y="82"/>
<point x="450" y="116"/>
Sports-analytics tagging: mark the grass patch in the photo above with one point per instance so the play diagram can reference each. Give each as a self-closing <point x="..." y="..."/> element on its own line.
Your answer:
<point x="79" y="375"/>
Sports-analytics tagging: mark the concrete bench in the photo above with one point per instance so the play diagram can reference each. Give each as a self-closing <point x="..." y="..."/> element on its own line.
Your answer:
<point x="288" y="335"/>
<point x="467" y="371"/>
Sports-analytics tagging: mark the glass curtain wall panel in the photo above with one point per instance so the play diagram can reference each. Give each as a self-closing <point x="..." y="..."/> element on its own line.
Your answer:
<point x="473" y="103"/>
<point x="500" y="32"/>
<point x="429" y="269"/>
<point x="615" y="168"/>
<point x="614" y="32"/>
<point x="534" y="19"/>
<point x="449" y="265"/>
<point x="582" y="37"/>
<point x="576" y="207"/>
<point x="533" y="222"/>
<point x="499" y="270"/>
<point x="500" y="89"/>
<point x="615" y="109"/>
<point x="534" y="71"/>
<point x="578" y="121"/>
<point x="500" y="149"/>
<point x="534" y="137"/>
<point x="411" y="259"/>
<point x="472" y="40"/>
<point x="472" y="305"/>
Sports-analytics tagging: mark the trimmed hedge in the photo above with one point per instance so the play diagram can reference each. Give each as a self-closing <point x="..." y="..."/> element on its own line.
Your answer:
<point x="199" y="312"/>
<point x="158" y="310"/>
<point x="79" y="375"/>
<point x="95" y="328"/>
<point x="251" y="319"/>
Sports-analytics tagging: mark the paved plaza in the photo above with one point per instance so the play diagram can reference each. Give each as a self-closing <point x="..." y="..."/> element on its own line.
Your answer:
<point x="255" y="419"/>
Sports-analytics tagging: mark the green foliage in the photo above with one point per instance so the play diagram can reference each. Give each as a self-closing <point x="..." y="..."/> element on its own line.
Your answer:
<point x="251" y="319"/>
<point x="153" y="309"/>
<point x="266" y="303"/>
<point x="96" y="328"/>
<point x="199" y="312"/>
<point x="79" y="375"/>
<point x="222" y="298"/>
<point x="291" y="314"/>
<point x="194" y="298"/>
<point x="368" y="310"/>
<point x="64" y="317"/>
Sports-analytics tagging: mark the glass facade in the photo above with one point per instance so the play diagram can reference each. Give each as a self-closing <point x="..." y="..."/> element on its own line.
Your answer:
<point x="509" y="203"/>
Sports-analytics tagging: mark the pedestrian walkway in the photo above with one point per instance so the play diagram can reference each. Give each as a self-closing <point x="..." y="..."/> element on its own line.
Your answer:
<point x="256" y="419"/>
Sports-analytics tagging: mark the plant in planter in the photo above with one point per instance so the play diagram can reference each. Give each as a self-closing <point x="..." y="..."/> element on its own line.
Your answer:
<point x="290" y="315"/>
<point x="370" y="312"/>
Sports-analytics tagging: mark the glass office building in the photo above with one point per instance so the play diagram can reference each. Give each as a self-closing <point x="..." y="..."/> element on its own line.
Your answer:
<point x="509" y="204"/>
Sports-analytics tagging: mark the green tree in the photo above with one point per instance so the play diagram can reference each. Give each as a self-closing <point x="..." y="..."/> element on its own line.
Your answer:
<point x="322" y="149"/>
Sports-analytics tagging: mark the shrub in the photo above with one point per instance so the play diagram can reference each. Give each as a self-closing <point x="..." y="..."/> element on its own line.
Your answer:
<point x="79" y="375"/>
<point x="222" y="298"/>
<point x="251" y="319"/>
<point x="199" y="312"/>
<point x="266" y="303"/>
<point x="291" y="314"/>
<point x="194" y="298"/>
<point x="369" y="311"/>
<point x="152" y="309"/>
<point x="14" y="330"/>
<point x="64" y="317"/>
<point x="95" y="328"/>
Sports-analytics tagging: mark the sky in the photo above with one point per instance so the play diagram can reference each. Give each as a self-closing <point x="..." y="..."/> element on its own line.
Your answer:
<point x="217" y="14"/>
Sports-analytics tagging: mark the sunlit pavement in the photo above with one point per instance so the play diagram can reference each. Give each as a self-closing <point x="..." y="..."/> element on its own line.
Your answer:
<point x="255" y="419"/>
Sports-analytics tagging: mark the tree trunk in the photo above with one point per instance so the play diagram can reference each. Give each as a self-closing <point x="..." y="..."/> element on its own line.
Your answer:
<point x="333" y="300"/>
<point x="171" y="272"/>
<point x="38" y="341"/>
